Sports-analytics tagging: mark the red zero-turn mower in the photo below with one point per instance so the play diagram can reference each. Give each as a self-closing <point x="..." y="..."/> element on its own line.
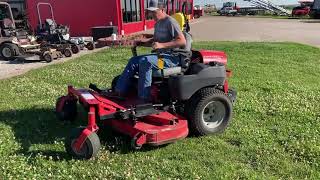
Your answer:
<point x="192" y="98"/>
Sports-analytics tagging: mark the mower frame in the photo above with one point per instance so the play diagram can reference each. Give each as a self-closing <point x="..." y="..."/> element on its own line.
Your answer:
<point x="155" y="126"/>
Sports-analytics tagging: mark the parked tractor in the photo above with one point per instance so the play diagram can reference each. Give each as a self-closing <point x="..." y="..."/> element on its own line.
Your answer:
<point x="13" y="41"/>
<point x="55" y="35"/>
<point x="229" y="8"/>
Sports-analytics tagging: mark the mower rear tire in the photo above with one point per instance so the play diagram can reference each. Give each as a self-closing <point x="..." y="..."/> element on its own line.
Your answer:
<point x="66" y="109"/>
<point x="209" y="112"/>
<point x="75" y="48"/>
<point x="90" y="147"/>
<point x="9" y="50"/>
<point x="90" y="46"/>
<point x="67" y="52"/>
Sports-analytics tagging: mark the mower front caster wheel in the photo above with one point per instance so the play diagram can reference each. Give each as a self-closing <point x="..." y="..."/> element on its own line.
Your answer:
<point x="90" y="46"/>
<point x="67" y="52"/>
<point x="75" y="48"/>
<point x="89" y="148"/>
<point x="209" y="112"/>
<point x="134" y="142"/>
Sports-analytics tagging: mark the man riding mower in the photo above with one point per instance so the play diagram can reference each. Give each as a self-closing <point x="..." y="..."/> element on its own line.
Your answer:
<point x="179" y="90"/>
<point x="167" y="36"/>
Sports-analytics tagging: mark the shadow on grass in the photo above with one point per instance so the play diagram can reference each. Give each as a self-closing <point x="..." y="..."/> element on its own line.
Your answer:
<point x="34" y="126"/>
<point x="119" y="143"/>
<point x="39" y="127"/>
<point x="22" y="60"/>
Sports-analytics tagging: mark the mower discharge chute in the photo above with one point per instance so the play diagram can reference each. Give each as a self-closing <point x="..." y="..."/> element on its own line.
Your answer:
<point x="193" y="98"/>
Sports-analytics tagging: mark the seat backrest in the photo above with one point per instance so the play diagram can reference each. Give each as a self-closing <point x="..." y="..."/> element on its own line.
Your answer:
<point x="183" y="24"/>
<point x="179" y="17"/>
<point x="50" y="24"/>
<point x="6" y="32"/>
<point x="7" y="23"/>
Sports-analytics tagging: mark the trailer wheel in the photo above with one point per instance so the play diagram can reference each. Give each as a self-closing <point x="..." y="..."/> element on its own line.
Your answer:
<point x="67" y="52"/>
<point x="48" y="57"/>
<point x="209" y="112"/>
<point x="90" y="46"/>
<point x="90" y="147"/>
<point x="75" y="48"/>
<point x="8" y="51"/>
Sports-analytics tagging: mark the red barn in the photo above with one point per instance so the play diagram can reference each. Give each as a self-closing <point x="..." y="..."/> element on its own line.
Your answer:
<point x="128" y="15"/>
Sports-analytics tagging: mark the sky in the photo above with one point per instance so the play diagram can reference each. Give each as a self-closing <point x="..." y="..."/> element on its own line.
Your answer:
<point x="241" y="3"/>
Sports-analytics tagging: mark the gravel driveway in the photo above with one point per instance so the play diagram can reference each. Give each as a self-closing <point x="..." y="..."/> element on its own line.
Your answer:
<point x="13" y="68"/>
<point x="221" y="28"/>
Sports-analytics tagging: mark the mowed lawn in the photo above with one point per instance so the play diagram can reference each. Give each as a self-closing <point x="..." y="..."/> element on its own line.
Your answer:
<point x="275" y="131"/>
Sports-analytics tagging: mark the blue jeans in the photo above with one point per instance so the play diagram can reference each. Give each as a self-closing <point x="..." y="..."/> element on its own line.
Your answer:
<point x="144" y="65"/>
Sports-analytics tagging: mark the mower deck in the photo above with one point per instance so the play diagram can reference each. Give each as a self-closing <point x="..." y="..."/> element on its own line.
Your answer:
<point x="143" y="123"/>
<point x="155" y="129"/>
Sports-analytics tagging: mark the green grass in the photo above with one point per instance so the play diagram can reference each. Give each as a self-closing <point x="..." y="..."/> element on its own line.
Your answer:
<point x="275" y="132"/>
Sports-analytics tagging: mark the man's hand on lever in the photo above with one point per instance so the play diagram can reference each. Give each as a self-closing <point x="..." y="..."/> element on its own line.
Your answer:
<point x="157" y="45"/>
<point x="144" y="42"/>
<point x="180" y="41"/>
